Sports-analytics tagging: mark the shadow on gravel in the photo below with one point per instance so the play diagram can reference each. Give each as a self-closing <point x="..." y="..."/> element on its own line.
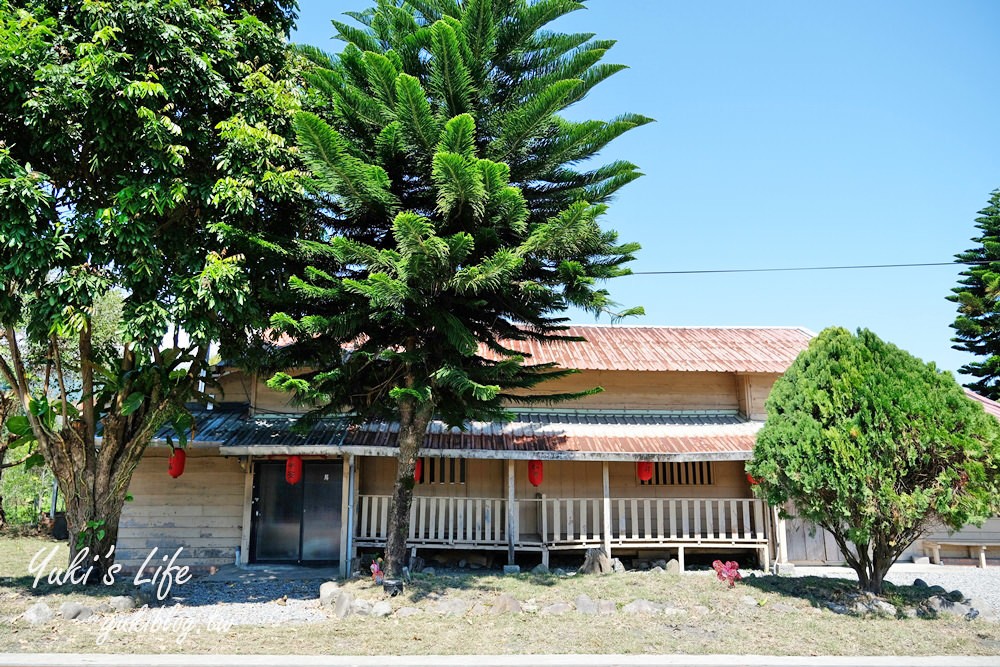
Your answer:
<point x="819" y="591"/>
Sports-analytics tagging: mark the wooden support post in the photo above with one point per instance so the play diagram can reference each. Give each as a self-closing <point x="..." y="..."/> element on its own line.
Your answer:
<point x="346" y="510"/>
<point x="352" y="494"/>
<point x="248" y="512"/>
<point x="511" y="513"/>
<point x="982" y="555"/>
<point x="606" y="529"/>
<point x="680" y="559"/>
<point x="935" y="552"/>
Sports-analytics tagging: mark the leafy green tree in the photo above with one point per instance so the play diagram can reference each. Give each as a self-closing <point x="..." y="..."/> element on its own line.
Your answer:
<point x="134" y="136"/>
<point x="875" y="446"/>
<point x="459" y="216"/>
<point x="8" y="408"/>
<point x="978" y="299"/>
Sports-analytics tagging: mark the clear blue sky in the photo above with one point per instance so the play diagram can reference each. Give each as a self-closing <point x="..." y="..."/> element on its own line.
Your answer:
<point x="794" y="134"/>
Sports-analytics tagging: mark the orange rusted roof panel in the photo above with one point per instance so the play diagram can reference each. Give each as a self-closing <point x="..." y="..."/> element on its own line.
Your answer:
<point x="641" y="348"/>
<point x="658" y="434"/>
<point x="990" y="406"/>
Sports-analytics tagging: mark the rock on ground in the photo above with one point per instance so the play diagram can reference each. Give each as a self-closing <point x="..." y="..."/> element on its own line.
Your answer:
<point x="120" y="603"/>
<point x="595" y="561"/>
<point x="556" y="609"/>
<point x="506" y="604"/>
<point x="381" y="609"/>
<point x="328" y="592"/>
<point x="606" y="607"/>
<point x="585" y="605"/>
<point x="344" y="605"/>
<point x="75" y="611"/>
<point x="942" y="606"/>
<point x="541" y="568"/>
<point x="642" y="607"/>
<point x="38" y="613"/>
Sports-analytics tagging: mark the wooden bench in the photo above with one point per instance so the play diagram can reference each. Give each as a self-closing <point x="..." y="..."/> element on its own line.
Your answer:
<point x="975" y="549"/>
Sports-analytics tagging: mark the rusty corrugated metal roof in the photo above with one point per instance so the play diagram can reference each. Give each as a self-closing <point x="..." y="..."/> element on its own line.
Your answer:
<point x="584" y="432"/>
<point x="639" y="348"/>
<point x="990" y="406"/>
<point x="666" y="348"/>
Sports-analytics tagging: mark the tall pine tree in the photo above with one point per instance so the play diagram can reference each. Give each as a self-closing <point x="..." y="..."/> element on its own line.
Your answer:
<point x="977" y="327"/>
<point x="460" y="217"/>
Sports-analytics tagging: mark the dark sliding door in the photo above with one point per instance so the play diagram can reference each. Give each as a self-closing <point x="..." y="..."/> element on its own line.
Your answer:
<point x="297" y="523"/>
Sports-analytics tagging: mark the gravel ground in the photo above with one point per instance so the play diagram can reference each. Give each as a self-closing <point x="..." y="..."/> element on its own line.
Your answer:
<point x="259" y="603"/>
<point x="214" y="604"/>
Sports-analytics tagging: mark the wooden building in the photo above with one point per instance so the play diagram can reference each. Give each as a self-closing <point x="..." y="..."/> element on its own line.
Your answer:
<point x="680" y="405"/>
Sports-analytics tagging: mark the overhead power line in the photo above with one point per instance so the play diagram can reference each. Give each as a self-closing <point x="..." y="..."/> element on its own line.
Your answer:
<point x="803" y="268"/>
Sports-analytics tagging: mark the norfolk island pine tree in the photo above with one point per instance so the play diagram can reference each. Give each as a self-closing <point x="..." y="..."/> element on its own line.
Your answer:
<point x="978" y="297"/>
<point x="458" y="217"/>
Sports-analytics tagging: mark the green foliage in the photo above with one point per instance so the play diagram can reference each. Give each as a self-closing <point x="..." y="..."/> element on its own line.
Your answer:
<point x="978" y="299"/>
<point x="875" y="446"/>
<point x="457" y="220"/>
<point x="140" y="142"/>
<point x="25" y="493"/>
<point x="133" y="134"/>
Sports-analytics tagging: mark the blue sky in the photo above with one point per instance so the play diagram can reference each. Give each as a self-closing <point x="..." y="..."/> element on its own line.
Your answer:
<point x="794" y="134"/>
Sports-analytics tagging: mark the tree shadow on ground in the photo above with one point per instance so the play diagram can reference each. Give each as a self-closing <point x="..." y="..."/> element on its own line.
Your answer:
<point x="819" y="591"/>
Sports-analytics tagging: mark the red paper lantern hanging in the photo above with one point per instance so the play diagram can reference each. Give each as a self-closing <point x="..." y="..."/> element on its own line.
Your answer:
<point x="293" y="469"/>
<point x="418" y="471"/>
<point x="753" y="480"/>
<point x="535" y="473"/>
<point x="644" y="470"/>
<point x="175" y="464"/>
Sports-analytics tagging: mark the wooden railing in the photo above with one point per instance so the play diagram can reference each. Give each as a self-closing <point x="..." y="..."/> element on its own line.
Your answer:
<point x="639" y="520"/>
<point x="570" y="521"/>
<point x="466" y="521"/>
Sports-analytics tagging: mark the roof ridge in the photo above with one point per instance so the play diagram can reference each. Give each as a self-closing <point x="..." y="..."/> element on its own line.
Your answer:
<point x="782" y="327"/>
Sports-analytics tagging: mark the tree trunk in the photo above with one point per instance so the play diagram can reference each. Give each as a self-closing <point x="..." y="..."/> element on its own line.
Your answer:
<point x="413" y="422"/>
<point x="94" y="482"/>
<point x="3" y="515"/>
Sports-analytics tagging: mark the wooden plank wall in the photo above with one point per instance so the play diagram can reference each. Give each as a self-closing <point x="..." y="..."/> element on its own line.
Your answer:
<point x="809" y="544"/>
<point x="753" y="392"/>
<point x="623" y="390"/>
<point x="202" y="510"/>
<point x="631" y="390"/>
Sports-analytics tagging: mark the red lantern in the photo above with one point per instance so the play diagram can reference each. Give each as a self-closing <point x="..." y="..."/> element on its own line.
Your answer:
<point x="753" y="480"/>
<point x="175" y="464"/>
<point x="418" y="470"/>
<point x="535" y="472"/>
<point x="644" y="470"/>
<point x="293" y="469"/>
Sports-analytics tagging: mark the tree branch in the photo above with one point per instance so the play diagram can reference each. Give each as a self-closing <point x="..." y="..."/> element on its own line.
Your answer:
<point x="87" y="379"/>
<point x="60" y="378"/>
<point x="9" y="375"/>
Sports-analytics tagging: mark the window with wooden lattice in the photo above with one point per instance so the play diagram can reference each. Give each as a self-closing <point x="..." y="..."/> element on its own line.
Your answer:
<point x="690" y="473"/>
<point x="442" y="471"/>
